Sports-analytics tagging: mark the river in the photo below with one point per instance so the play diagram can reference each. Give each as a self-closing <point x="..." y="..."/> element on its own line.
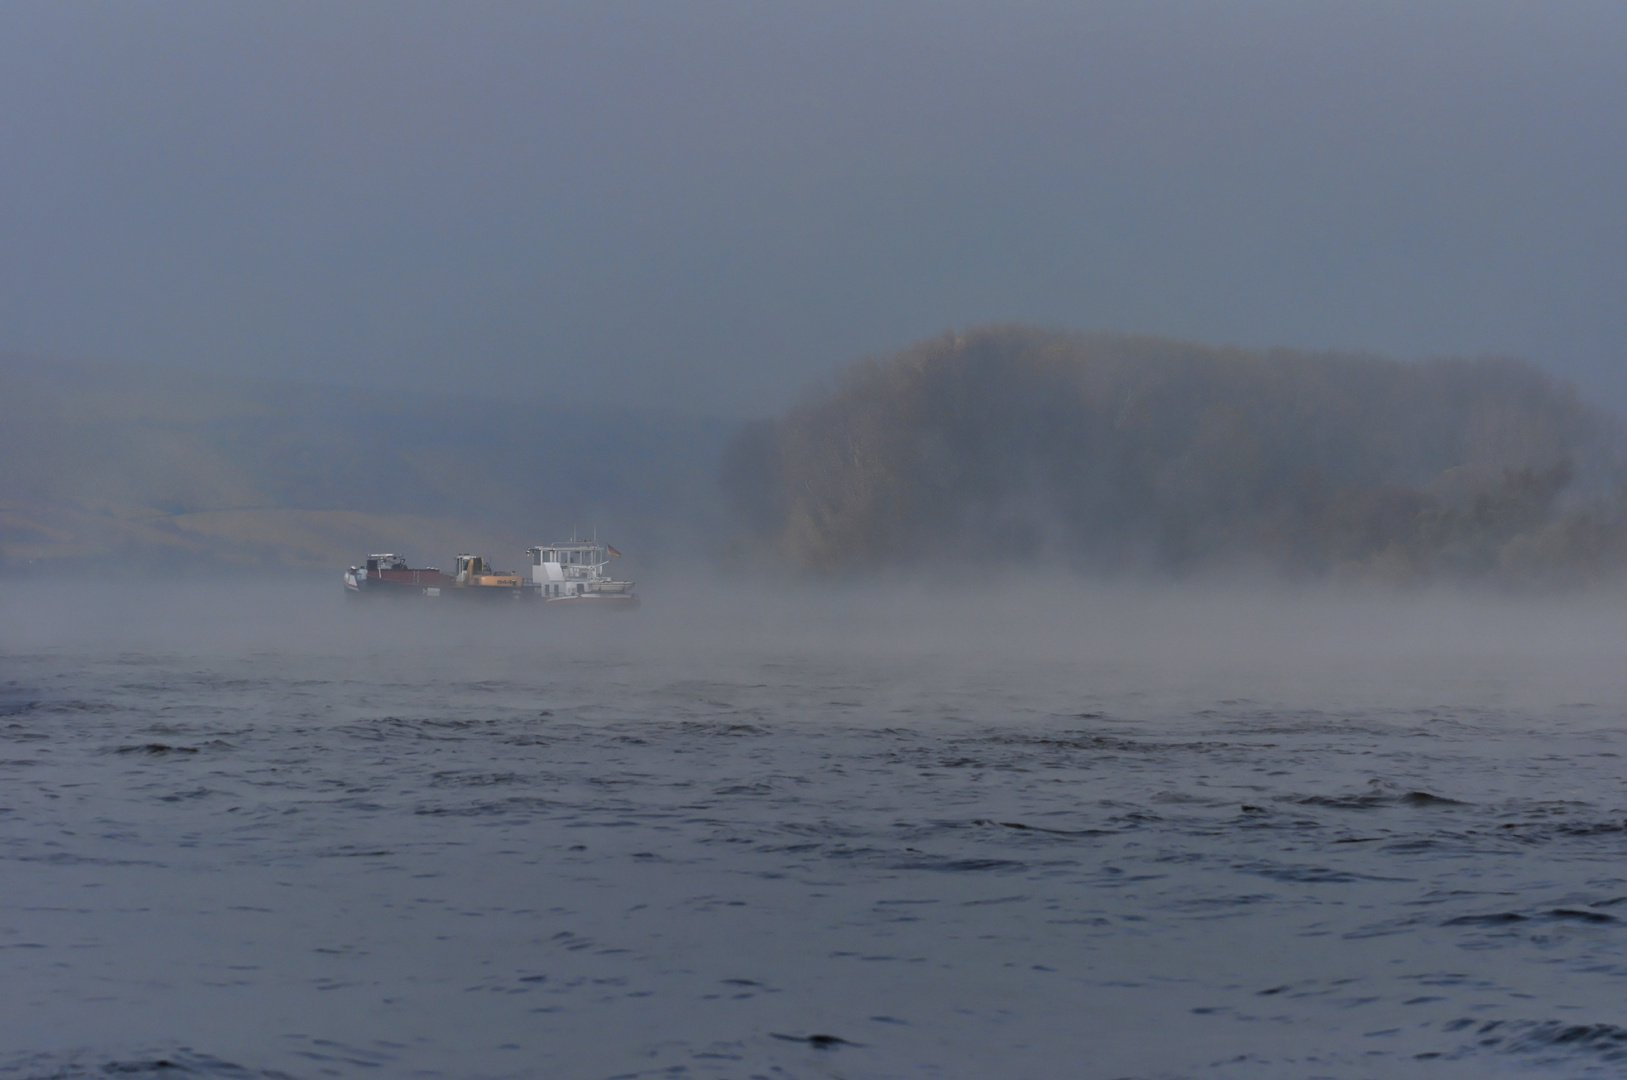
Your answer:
<point x="1036" y="831"/>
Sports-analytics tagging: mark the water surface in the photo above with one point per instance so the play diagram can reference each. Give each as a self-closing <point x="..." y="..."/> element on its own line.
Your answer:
<point x="886" y="833"/>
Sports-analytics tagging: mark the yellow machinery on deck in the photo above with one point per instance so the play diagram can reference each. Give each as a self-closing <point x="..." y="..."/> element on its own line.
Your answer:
<point x="474" y="572"/>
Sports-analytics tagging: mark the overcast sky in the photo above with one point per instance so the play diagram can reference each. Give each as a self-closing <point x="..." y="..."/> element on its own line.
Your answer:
<point x="704" y="206"/>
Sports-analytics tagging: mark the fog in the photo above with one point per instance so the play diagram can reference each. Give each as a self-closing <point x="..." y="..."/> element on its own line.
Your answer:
<point x="112" y="469"/>
<point x="1128" y="502"/>
<point x="702" y="206"/>
<point x="970" y="456"/>
<point x="1158" y="646"/>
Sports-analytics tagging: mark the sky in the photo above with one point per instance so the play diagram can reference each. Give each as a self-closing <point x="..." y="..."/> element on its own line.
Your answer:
<point x="706" y="207"/>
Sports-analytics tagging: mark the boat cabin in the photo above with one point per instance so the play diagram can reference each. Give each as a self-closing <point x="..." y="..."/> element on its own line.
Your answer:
<point x="573" y="568"/>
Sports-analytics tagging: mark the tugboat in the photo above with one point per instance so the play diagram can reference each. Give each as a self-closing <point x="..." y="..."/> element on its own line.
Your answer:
<point x="389" y="575"/>
<point x="572" y="574"/>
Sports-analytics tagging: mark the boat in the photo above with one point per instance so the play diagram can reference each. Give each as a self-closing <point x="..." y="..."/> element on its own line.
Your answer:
<point x="387" y="574"/>
<point x="573" y="573"/>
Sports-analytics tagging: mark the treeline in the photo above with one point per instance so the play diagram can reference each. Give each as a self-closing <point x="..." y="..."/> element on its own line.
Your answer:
<point x="1007" y="446"/>
<point x="119" y="467"/>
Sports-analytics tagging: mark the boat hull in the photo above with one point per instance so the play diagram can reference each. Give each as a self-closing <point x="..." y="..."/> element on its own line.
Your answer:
<point x="594" y="602"/>
<point x="362" y="587"/>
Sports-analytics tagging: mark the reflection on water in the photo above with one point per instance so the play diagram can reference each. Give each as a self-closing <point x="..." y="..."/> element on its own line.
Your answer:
<point x="1104" y="834"/>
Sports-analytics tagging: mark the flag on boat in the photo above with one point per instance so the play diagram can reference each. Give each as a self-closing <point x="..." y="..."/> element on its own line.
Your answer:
<point x="612" y="551"/>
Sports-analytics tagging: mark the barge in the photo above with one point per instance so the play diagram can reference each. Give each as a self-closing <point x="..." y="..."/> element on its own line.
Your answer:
<point x="572" y="573"/>
<point x="389" y="575"/>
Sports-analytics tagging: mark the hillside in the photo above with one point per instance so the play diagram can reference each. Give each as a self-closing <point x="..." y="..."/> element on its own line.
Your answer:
<point x="1008" y="447"/>
<point x="107" y="467"/>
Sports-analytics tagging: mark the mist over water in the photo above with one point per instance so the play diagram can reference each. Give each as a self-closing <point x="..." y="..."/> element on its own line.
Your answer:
<point x="1047" y="828"/>
<point x="1197" y="655"/>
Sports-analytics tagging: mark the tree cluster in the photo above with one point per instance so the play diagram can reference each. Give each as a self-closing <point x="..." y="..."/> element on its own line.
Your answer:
<point x="1007" y="446"/>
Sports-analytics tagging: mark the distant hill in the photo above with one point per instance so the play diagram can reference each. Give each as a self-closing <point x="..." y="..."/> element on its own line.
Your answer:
<point x="1008" y="447"/>
<point x="105" y="467"/>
